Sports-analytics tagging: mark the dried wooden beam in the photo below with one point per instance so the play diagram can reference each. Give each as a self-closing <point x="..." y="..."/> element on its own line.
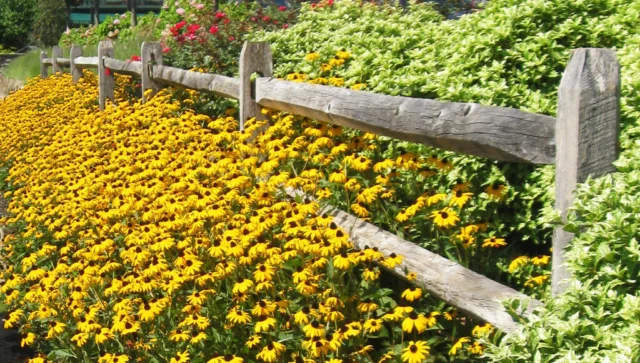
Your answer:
<point x="63" y="62"/>
<point x="497" y="133"/>
<point x="56" y="53"/>
<point x="47" y="61"/>
<point x="76" y="72"/>
<point x="587" y="136"/>
<point x="203" y="82"/>
<point x="86" y="62"/>
<point x="44" y="72"/>
<point x="106" y="79"/>
<point x="151" y="55"/>
<point x="254" y="58"/>
<point x="476" y="295"/>
<point x="130" y="68"/>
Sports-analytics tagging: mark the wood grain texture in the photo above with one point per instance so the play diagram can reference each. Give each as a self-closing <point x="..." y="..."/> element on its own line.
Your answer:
<point x="204" y="82"/>
<point x="469" y="291"/>
<point x="130" y="68"/>
<point x="151" y="54"/>
<point x="44" y="72"/>
<point x="86" y="62"/>
<point x="63" y="62"/>
<point x="76" y="72"/>
<point x="255" y="57"/>
<point x="493" y="132"/>
<point x="587" y="136"/>
<point x="56" y="53"/>
<point x="106" y="79"/>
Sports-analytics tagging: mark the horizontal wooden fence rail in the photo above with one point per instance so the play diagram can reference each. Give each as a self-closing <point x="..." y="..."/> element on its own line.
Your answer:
<point x="582" y="141"/>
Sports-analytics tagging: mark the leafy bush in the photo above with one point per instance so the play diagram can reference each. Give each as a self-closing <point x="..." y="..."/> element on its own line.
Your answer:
<point x="597" y="319"/>
<point x="197" y="37"/>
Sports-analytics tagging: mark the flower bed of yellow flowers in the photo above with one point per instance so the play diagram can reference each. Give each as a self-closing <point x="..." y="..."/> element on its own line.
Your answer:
<point x="150" y="233"/>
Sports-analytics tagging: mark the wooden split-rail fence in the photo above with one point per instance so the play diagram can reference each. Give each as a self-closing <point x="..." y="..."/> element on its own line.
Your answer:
<point x="582" y="141"/>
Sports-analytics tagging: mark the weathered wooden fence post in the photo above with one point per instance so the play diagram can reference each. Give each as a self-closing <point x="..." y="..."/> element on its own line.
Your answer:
<point x="76" y="72"/>
<point x="106" y="78"/>
<point x="254" y="58"/>
<point x="587" y="133"/>
<point x="151" y="55"/>
<point x="56" y="53"/>
<point x="44" y="72"/>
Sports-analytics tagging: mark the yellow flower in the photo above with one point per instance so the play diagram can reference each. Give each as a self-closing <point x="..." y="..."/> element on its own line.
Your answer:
<point x="412" y="294"/>
<point x="180" y="357"/>
<point x="311" y="56"/>
<point x="494" y="242"/>
<point x="536" y="280"/>
<point x="445" y="218"/>
<point x="458" y="345"/>
<point x="415" y="322"/>
<point x="517" y="263"/>
<point x="541" y="260"/>
<point x="415" y="352"/>
<point x="271" y="352"/>
<point x="460" y="198"/>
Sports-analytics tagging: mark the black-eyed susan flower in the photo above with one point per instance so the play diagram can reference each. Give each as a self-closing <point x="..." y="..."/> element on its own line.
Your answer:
<point x="460" y="198"/>
<point x="314" y="329"/>
<point x="458" y="345"/>
<point x="494" y="242"/>
<point x="411" y="294"/>
<point x="271" y="352"/>
<point x="415" y="352"/>
<point x="540" y="260"/>
<point x="373" y="325"/>
<point x="180" y="357"/>
<point x="445" y="218"/>
<point x="264" y="323"/>
<point x="415" y="322"/>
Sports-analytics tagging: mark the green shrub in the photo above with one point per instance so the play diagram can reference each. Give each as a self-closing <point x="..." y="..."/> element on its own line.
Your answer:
<point x="16" y="19"/>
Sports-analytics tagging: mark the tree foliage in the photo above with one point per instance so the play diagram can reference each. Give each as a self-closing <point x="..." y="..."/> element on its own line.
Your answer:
<point x="16" y="20"/>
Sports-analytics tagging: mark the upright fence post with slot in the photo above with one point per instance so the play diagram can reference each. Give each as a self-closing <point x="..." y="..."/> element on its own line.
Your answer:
<point x="254" y="58"/>
<point x="106" y="79"/>
<point x="587" y="133"/>
<point x="56" y="53"/>
<point x="76" y="72"/>
<point x="44" y="73"/>
<point x="151" y="55"/>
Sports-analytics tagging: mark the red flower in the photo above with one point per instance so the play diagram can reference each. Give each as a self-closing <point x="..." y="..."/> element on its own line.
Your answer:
<point x="265" y="18"/>
<point x="231" y="38"/>
<point x="192" y="29"/>
<point x="214" y="29"/>
<point x="226" y="21"/>
<point x="329" y="2"/>
<point x="107" y="71"/>
<point x="282" y="8"/>
<point x="166" y="50"/>
<point x="275" y="22"/>
<point x="220" y="15"/>
<point x="180" y="24"/>
<point x="253" y="18"/>
<point x="286" y="26"/>
<point x="136" y="58"/>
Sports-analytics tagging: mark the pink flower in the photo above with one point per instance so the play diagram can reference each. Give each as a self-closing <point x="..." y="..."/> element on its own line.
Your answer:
<point x="166" y="50"/>
<point x="220" y="15"/>
<point x="123" y="16"/>
<point x="282" y="8"/>
<point x="180" y="11"/>
<point x="226" y="21"/>
<point x="200" y="6"/>
<point x="253" y="18"/>
<point x="265" y="18"/>
<point x="286" y="26"/>
<point x="231" y="38"/>
<point x="329" y="2"/>
<point x="116" y="22"/>
<point x="214" y="29"/>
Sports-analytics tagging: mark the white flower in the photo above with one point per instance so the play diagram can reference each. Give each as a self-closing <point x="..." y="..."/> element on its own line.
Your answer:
<point x="116" y="22"/>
